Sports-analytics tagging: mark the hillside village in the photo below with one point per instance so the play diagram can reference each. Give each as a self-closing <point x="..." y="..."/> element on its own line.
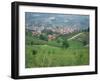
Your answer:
<point x="56" y="31"/>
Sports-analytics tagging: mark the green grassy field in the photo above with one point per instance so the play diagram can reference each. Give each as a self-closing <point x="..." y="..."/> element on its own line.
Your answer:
<point x="47" y="55"/>
<point x="39" y="52"/>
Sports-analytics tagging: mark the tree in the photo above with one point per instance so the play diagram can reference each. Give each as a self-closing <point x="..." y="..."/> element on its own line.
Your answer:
<point x="59" y="40"/>
<point x="65" y="44"/>
<point x="34" y="52"/>
<point x="43" y="37"/>
<point x="84" y="43"/>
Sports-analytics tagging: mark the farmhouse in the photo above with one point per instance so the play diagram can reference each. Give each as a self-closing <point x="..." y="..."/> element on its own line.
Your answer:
<point x="51" y="37"/>
<point x="35" y="33"/>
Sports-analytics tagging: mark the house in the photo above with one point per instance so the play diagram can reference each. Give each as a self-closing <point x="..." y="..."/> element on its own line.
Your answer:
<point x="51" y="37"/>
<point x="36" y="33"/>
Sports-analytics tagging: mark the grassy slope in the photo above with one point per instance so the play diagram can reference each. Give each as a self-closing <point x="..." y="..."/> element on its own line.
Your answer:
<point x="49" y="55"/>
<point x="54" y="56"/>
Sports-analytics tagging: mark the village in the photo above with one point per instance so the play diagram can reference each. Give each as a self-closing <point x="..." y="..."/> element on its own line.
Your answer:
<point x="56" y="31"/>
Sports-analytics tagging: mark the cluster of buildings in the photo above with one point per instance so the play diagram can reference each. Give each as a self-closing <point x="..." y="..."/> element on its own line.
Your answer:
<point x="58" y="30"/>
<point x="51" y="37"/>
<point x="65" y="30"/>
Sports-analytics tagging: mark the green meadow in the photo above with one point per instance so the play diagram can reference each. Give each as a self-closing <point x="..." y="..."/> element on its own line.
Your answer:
<point x="43" y="53"/>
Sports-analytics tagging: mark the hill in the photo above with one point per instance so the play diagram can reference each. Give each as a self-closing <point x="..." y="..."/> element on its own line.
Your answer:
<point x="42" y="53"/>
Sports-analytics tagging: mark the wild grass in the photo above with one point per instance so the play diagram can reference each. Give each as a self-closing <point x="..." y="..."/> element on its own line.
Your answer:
<point x="41" y="53"/>
<point x="49" y="56"/>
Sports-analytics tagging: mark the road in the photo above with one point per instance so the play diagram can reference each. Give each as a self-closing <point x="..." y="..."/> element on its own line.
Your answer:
<point x="74" y="36"/>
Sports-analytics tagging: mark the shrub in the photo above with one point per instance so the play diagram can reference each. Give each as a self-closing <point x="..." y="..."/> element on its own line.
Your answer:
<point x="84" y="43"/>
<point x="34" y="52"/>
<point x="65" y="44"/>
<point x="43" y="37"/>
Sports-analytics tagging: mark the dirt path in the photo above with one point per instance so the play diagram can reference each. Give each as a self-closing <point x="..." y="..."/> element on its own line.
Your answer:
<point x="74" y="36"/>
